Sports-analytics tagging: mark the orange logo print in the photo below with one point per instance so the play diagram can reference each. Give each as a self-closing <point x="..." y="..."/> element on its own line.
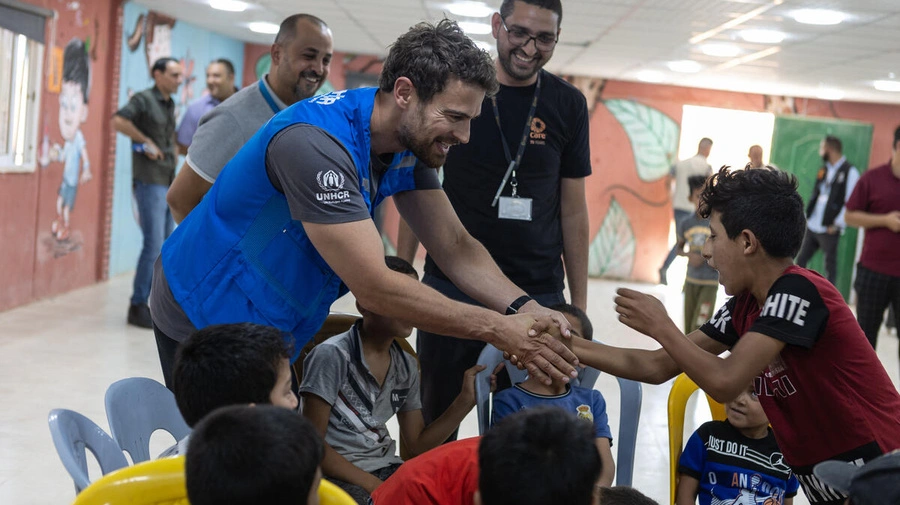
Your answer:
<point x="537" y="134"/>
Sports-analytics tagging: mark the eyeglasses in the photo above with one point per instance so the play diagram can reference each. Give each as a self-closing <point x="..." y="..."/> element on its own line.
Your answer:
<point x="520" y="38"/>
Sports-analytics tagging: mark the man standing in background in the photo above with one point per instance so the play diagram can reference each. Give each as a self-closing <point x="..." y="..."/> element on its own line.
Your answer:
<point x="149" y="120"/>
<point x="683" y="208"/>
<point x="220" y="83"/>
<point x="756" y="155"/>
<point x="301" y="56"/>
<point x="517" y="187"/>
<point x="825" y="210"/>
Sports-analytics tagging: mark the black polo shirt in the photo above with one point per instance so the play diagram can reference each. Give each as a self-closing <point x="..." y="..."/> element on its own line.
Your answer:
<point x="154" y="116"/>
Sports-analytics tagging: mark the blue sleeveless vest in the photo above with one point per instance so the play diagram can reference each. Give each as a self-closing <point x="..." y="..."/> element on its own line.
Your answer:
<point x="239" y="257"/>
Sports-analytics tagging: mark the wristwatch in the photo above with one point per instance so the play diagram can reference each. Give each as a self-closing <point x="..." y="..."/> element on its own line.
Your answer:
<point x="517" y="304"/>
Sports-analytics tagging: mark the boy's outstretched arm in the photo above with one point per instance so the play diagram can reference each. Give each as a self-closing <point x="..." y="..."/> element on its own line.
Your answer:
<point x="686" y="491"/>
<point x="723" y="379"/>
<point x="420" y="438"/>
<point x="607" y="464"/>
<point x="334" y="465"/>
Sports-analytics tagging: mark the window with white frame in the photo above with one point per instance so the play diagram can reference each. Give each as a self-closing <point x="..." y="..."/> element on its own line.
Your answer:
<point x="21" y="59"/>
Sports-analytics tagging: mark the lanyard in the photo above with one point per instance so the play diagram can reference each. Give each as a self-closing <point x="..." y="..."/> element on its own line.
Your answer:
<point x="514" y="163"/>
<point x="268" y="97"/>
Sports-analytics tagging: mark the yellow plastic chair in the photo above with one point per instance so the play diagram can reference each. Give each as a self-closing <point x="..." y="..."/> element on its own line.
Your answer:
<point x="681" y="391"/>
<point x="161" y="482"/>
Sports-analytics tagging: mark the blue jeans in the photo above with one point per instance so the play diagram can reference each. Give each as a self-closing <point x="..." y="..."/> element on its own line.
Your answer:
<point x="680" y="215"/>
<point x="156" y="225"/>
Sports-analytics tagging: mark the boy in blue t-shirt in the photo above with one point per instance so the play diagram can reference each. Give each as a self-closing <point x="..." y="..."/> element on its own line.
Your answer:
<point x="701" y="283"/>
<point x="587" y="404"/>
<point x="736" y="461"/>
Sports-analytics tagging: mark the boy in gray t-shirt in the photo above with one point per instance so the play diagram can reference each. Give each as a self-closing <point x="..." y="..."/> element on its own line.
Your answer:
<point x="701" y="284"/>
<point x="354" y="382"/>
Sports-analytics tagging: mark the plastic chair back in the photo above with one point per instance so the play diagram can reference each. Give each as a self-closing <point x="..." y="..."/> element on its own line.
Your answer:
<point x="73" y="434"/>
<point x="682" y="389"/>
<point x="162" y="482"/>
<point x="138" y="406"/>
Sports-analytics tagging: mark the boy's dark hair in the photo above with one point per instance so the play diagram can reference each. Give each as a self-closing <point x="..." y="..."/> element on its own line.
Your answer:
<point x="227" y="364"/>
<point x="398" y="264"/>
<point x="247" y="455"/>
<point x="430" y="55"/>
<point x="587" y="329"/>
<point x="508" y="6"/>
<point x="623" y="495"/>
<point x="896" y="137"/>
<point x="834" y="143"/>
<point x="225" y="62"/>
<point x="77" y="66"/>
<point x="288" y="29"/>
<point x="695" y="182"/>
<point x="161" y="64"/>
<point x="765" y="202"/>
<point x="537" y="456"/>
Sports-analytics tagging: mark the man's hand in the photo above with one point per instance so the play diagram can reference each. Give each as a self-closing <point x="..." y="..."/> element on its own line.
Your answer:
<point x="152" y="151"/>
<point x="560" y="323"/>
<point x="832" y="230"/>
<point x="467" y="395"/>
<point x="892" y="221"/>
<point x="544" y="356"/>
<point x="642" y="312"/>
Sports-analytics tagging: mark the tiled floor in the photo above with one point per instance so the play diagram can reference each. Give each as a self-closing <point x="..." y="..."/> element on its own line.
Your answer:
<point x="65" y="351"/>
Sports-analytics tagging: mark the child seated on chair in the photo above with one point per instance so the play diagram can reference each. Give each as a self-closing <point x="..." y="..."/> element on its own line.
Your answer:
<point x="248" y="455"/>
<point x="353" y="383"/>
<point x="534" y="457"/>
<point x="736" y="460"/>
<point x="588" y="404"/>
<point x="230" y="364"/>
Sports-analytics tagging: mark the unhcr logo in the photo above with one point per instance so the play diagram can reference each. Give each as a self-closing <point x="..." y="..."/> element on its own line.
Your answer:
<point x="333" y="184"/>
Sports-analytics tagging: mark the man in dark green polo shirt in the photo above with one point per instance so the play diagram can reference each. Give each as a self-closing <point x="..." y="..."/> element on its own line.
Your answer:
<point x="149" y="120"/>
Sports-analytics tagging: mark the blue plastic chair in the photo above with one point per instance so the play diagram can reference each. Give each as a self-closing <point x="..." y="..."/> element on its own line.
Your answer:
<point x="138" y="406"/>
<point x="630" y="399"/>
<point x="73" y="435"/>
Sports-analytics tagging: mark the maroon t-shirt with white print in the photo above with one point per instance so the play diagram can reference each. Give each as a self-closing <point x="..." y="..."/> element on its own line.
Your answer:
<point x="826" y="395"/>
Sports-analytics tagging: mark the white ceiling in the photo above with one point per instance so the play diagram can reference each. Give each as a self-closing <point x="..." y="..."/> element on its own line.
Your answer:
<point x="618" y="39"/>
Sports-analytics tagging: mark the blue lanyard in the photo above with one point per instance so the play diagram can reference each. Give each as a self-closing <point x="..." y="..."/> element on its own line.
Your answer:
<point x="268" y="97"/>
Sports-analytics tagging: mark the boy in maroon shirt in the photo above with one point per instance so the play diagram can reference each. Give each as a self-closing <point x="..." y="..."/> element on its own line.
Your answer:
<point x="789" y="331"/>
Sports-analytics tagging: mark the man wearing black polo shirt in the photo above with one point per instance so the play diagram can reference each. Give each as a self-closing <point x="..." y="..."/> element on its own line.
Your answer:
<point x="149" y="120"/>
<point x="517" y="186"/>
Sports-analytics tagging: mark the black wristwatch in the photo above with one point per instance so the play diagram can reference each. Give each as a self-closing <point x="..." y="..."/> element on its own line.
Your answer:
<point x="517" y="304"/>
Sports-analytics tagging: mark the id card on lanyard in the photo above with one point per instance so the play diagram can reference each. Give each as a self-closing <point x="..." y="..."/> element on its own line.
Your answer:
<point x="514" y="206"/>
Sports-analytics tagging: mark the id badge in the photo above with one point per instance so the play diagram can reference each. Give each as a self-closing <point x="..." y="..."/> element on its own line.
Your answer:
<point x="514" y="208"/>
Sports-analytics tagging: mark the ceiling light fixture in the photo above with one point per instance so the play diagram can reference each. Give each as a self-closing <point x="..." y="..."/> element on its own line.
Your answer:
<point x="475" y="28"/>
<point x="684" y="66"/>
<point x="759" y="36"/>
<point x="228" y="5"/>
<point x="748" y="58"/>
<point x="734" y="22"/>
<point x="263" y="27"/>
<point x="721" y="50"/>
<point x="650" y="76"/>
<point x="818" y="16"/>
<point x="470" y="9"/>
<point x="886" y="85"/>
<point x="830" y="94"/>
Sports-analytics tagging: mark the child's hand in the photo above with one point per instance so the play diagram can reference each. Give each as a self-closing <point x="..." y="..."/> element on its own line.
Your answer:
<point x="642" y="312"/>
<point x="500" y="366"/>
<point x="467" y="395"/>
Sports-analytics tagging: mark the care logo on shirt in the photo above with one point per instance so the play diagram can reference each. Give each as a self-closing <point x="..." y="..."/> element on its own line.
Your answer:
<point x="332" y="184"/>
<point x="328" y="98"/>
<point x="537" y="135"/>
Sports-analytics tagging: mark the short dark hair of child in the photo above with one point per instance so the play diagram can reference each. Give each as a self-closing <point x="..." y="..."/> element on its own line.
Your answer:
<point x="587" y="329"/>
<point x="695" y="182"/>
<point x="227" y="364"/>
<point x="247" y="455"/>
<point x="896" y="137"/>
<point x="624" y="495"/>
<point x="537" y="456"/>
<point x="765" y="202"/>
<point x="77" y="66"/>
<point x="400" y="265"/>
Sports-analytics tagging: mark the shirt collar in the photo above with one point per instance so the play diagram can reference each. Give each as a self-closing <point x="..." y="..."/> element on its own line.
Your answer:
<point x="265" y="82"/>
<point x="159" y="96"/>
<point x="838" y="163"/>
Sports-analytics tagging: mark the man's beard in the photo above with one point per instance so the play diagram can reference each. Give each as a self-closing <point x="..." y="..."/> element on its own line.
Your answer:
<point x="423" y="149"/>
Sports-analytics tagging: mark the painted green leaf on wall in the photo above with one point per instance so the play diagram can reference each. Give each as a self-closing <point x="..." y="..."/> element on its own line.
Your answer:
<point x="653" y="136"/>
<point x="612" y="251"/>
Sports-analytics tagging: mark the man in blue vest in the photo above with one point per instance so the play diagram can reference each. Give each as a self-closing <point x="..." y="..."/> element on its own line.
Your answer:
<point x="825" y="210"/>
<point x="287" y="227"/>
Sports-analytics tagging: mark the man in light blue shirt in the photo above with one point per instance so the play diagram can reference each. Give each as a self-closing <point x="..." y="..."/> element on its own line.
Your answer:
<point x="220" y="83"/>
<point x="825" y="210"/>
